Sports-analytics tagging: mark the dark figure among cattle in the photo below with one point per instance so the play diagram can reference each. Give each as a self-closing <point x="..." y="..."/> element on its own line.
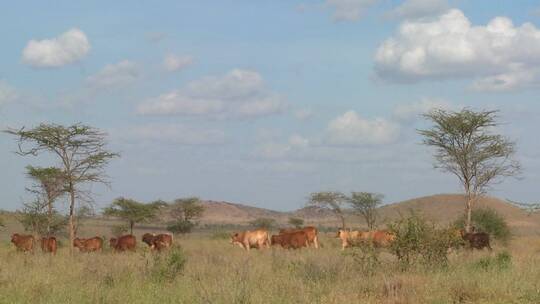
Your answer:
<point x="123" y="243"/>
<point x="476" y="240"/>
<point x="158" y="242"/>
<point x="48" y="244"/>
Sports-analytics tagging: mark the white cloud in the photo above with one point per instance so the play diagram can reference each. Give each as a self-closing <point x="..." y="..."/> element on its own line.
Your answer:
<point x="7" y="93"/>
<point x="173" y="63"/>
<point x="276" y="150"/>
<point x="411" y="111"/>
<point x="67" y="48"/>
<point x="174" y="134"/>
<point x="239" y="93"/>
<point x="349" y="10"/>
<point x="451" y="47"/>
<point x="350" y="129"/>
<point x="414" y="9"/>
<point x="115" y="75"/>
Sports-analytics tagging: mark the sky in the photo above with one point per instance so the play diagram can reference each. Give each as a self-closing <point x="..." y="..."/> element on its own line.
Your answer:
<point x="263" y="102"/>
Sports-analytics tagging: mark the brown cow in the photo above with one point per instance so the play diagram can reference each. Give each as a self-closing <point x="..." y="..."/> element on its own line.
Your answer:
<point x="48" y="244"/>
<point x="159" y="241"/>
<point x="123" y="243"/>
<point x="251" y="239"/>
<point x="379" y="238"/>
<point x="23" y="242"/>
<point x="311" y="233"/>
<point x="294" y="240"/>
<point x="89" y="245"/>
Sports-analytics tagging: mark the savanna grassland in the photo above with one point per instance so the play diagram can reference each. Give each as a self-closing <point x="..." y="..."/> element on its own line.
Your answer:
<point x="205" y="268"/>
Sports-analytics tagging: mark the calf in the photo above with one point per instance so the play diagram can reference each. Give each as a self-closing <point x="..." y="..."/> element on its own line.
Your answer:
<point x="476" y="240"/>
<point x="123" y="243"/>
<point x="89" y="245"/>
<point x="159" y="241"/>
<point x="294" y="240"/>
<point x="311" y="234"/>
<point x="49" y="244"/>
<point x="23" y="242"/>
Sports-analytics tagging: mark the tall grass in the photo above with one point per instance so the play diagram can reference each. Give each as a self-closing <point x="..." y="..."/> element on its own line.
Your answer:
<point x="210" y="270"/>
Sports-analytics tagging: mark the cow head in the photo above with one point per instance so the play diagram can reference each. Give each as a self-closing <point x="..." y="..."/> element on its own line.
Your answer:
<point x="340" y="233"/>
<point x="14" y="237"/>
<point x="236" y="239"/>
<point x="77" y="242"/>
<point x="149" y="239"/>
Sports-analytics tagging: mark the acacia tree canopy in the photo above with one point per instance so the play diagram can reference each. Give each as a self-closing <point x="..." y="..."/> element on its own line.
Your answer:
<point x="466" y="146"/>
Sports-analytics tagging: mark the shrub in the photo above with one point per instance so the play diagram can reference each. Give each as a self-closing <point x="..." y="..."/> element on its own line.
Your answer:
<point x="118" y="230"/>
<point x="264" y="223"/>
<point x="181" y="227"/>
<point x="166" y="267"/>
<point x="366" y="258"/>
<point x="489" y="221"/>
<point x="419" y="241"/>
<point x="503" y="260"/>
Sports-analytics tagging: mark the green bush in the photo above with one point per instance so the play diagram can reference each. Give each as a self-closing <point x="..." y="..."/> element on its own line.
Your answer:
<point x="502" y="261"/>
<point x="489" y="221"/>
<point x="418" y="241"/>
<point x="366" y="258"/>
<point x="181" y="227"/>
<point x="166" y="267"/>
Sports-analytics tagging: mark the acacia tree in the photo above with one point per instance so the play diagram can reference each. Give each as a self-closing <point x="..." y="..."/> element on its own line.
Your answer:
<point x="365" y="204"/>
<point x="466" y="146"/>
<point x="332" y="201"/>
<point x="131" y="211"/>
<point x="34" y="217"/>
<point x="81" y="152"/>
<point x="49" y="186"/>
<point x="296" y="222"/>
<point x="185" y="211"/>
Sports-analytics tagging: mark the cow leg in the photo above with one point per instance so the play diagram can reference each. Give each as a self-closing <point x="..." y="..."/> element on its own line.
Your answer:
<point x="246" y="245"/>
<point x="316" y="242"/>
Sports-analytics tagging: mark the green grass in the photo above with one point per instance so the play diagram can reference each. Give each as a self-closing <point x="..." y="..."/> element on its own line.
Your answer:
<point x="216" y="272"/>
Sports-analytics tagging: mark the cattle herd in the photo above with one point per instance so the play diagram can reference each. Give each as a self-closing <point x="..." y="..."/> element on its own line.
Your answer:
<point x="291" y="238"/>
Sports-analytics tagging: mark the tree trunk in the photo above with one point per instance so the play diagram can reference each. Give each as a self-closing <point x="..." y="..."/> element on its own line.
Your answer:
<point x="469" y="212"/>
<point x="49" y="215"/>
<point x="71" y="217"/>
<point x="131" y="223"/>
<point x="342" y="221"/>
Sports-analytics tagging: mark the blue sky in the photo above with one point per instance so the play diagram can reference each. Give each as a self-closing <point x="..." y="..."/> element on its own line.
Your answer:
<point x="263" y="102"/>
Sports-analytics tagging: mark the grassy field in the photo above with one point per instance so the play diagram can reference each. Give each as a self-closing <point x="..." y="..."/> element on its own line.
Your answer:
<point x="216" y="272"/>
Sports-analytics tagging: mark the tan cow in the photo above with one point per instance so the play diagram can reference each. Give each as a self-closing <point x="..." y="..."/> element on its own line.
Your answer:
<point x="348" y="237"/>
<point x="311" y="233"/>
<point x="251" y="239"/>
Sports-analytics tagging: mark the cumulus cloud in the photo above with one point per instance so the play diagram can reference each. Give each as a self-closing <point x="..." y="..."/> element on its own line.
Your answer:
<point x="350" y="129"/>
<point x="173" y="63"/>
<point x="451" y="47"/>
<point x="239" y="93"/>
<point x="115" y="75"/>
<point x="414" y="9"/>
<point x="67" y="48"/>
<point x="174" y="134"/>
<point x="411" y="111"/>
<point x="349" y="10"/>
<point x="7" y="93"/>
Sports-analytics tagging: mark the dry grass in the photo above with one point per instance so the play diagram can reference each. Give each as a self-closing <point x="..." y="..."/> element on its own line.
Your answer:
<point x="217" y="272"/>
